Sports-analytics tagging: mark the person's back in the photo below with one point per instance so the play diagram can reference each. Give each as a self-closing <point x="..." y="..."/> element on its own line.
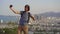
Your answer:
<point x="25" y="15"/>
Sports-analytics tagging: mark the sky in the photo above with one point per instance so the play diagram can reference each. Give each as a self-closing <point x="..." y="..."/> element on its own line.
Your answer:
<point x="36" y="6"/>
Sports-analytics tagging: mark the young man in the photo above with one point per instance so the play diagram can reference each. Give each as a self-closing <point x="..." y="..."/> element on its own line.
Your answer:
<point x="25" y="16"/>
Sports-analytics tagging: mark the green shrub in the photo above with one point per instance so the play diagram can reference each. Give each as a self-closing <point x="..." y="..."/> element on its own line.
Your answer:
<point x="8" y="31"/>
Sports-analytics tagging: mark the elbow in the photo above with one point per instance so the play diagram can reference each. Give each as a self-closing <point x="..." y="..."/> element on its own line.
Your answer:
<point x="15" y="12"/>
<point x="33" y="18"/>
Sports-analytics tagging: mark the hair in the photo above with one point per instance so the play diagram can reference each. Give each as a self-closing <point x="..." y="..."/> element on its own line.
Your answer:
<point x="28" y="7"/>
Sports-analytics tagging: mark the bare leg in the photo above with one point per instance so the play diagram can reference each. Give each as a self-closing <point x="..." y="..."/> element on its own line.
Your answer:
<point x="25" y="29"/>
<point x="19" y="29"/>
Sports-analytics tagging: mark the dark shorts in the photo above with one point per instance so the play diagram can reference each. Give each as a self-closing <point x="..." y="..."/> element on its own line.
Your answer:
<point x="24" y="24"/>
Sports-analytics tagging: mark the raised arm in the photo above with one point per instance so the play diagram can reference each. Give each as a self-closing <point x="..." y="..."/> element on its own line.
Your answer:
<point x="15" y="11"/>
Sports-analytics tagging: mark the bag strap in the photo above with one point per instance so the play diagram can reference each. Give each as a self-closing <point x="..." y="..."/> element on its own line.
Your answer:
<point x="22" y="13"/>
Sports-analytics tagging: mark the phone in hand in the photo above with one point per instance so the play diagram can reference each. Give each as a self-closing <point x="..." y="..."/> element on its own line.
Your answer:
<point x="11" y="6"/>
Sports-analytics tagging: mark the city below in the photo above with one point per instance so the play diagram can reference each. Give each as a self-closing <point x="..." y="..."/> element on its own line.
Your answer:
<point x="47" y="24"/>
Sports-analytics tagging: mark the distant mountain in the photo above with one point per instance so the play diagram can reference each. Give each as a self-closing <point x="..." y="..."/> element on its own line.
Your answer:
<point x="47" y="14"/>
<point x="51" y="14"/>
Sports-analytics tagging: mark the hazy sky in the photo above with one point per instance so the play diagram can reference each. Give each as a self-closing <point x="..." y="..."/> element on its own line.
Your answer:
<point x="36" y="6"/>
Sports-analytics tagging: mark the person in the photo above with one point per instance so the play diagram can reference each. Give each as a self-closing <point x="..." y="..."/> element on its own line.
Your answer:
<point x="24" y="20"/>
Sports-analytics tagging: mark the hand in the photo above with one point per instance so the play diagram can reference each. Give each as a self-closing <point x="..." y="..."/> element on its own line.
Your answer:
<point x="11" y="6"/>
